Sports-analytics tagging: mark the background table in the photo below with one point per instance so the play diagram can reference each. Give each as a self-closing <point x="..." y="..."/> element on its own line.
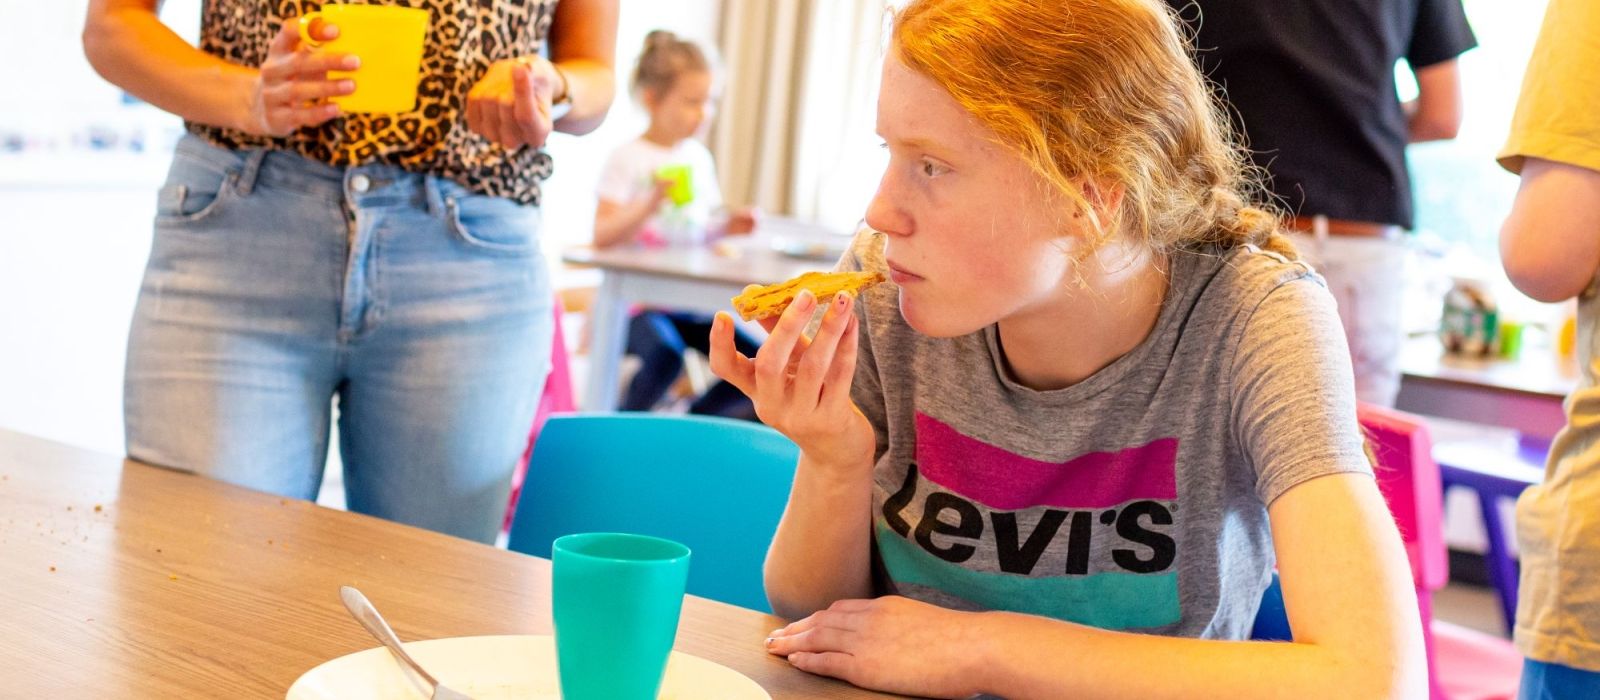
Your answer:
<point x="1524" y="394"/>
<point x="698" y="278"/>
<point x="119" y="580"/>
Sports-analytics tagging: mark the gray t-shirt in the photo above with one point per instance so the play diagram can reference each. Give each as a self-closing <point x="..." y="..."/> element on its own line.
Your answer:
<point x="1133" y="500"/>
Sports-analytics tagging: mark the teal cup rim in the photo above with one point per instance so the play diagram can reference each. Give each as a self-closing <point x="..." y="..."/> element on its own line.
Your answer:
<point x="568" y="546"/>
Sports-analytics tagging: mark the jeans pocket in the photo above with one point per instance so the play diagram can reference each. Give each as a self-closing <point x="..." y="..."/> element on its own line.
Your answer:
<point x="493" y="224"/>
<point x="192" y="195"/>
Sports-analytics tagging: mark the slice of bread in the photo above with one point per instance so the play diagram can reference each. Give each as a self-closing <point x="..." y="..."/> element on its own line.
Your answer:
<point x="772" y="299"/>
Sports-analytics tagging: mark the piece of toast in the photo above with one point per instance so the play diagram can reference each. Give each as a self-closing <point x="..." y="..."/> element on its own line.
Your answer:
<point x="772" y="299"/>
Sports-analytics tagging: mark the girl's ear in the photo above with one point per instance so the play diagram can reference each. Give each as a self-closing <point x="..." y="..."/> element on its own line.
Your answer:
<point x="1105" y="198"/>
<point x="650" y="97"/>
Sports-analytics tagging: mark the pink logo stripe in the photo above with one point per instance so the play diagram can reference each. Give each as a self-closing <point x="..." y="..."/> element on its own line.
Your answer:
<point x="1005" y="481"/>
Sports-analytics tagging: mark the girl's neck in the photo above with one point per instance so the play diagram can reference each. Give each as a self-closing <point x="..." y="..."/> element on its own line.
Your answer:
<point x="658" y="137"/>
<point x="1085" y="327"/>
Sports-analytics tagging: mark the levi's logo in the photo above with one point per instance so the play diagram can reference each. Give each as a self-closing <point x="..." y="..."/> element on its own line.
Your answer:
<point x="1088" y="540"/>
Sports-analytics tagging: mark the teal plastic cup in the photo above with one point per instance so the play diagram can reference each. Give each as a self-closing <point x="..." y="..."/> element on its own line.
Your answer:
<point x="615" y="599"/>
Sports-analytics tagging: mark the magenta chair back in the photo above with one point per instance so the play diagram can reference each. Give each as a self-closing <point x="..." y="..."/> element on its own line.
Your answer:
<point x="1409" y="480"/>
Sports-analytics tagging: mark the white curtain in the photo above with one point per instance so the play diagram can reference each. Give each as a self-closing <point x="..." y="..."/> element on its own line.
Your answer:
<point x="795" y="134"/>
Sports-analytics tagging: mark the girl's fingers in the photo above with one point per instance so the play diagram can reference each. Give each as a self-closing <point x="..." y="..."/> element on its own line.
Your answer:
<point x="833" y="664"/>
<point x="726" y="360"/>
<point x="772" y="362"/>
<point x="815" y="640"/>
<point x="818" y="358"/>
<point x="842" y="372"/>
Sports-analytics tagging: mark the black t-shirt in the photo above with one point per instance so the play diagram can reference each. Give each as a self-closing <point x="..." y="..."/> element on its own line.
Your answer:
<point x="1312" y="87"/>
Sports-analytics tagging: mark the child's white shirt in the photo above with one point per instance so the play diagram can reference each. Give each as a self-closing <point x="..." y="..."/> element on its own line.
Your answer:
<point x="629" y="174"/>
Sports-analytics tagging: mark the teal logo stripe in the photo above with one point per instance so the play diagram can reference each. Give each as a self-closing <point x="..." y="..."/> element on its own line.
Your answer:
<point x="1111" y="600"/>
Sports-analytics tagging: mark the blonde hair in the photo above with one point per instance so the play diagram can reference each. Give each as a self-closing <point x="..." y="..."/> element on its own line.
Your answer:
<point x="1103" y="91"/>
<point x="664" y="58"/>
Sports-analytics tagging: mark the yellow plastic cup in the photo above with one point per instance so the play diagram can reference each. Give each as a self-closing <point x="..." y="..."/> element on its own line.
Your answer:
<point x="389" y="42"/>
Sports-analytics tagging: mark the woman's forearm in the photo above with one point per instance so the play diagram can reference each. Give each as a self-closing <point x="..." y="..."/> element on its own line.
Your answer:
<point x="127" y="44"/>
<point x="592" y="87"/>
<point x="822" y="550"/>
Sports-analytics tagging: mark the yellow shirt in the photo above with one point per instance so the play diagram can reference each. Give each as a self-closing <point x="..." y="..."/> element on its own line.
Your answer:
<point x="1558" y="521"/>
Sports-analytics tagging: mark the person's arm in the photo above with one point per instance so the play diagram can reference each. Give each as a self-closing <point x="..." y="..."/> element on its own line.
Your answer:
<point x="1436" y="113"/>
<point x="127" y="44"/>
<point x="822" y="550"/>
<point x="511" y="104"/>
<point x="1550" y="243"/>
<point x="616" y="223"/>
<point x="1346" y="586"/>
<point x="802" y="388"/>
<point x="583" y="42"/>
<point x="1347" y="589"/>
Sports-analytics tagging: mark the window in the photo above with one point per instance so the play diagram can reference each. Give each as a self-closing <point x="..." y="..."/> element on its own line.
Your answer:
<point x="1462" y="195"/>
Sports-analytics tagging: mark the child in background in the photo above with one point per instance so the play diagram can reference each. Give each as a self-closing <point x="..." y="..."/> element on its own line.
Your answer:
<point x="1550" y="246"/>
<point x="1059" y="456"/>
<point x="641" y="198"/>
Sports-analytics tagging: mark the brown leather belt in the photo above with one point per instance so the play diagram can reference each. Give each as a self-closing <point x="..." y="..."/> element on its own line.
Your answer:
<point x="1345" y="227"/>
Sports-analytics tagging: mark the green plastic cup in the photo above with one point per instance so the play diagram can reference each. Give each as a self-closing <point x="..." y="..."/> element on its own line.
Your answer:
<point x="615" y="599"/>
<point x="682" y="190"/>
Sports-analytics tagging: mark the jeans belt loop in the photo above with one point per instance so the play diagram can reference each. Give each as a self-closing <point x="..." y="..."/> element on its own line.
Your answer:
<point x="434" y="197"/>
<point x="246" y="180"/>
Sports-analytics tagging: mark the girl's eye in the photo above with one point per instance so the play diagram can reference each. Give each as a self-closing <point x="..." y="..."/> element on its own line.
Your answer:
<point x="932" y="169"/>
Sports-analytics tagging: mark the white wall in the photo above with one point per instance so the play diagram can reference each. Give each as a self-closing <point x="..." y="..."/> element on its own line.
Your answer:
<point x="75" y="221"/>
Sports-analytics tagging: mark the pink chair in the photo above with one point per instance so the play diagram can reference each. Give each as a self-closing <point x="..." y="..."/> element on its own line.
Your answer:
<point x="557" y="398"/>
<point x="1462" y="664"/>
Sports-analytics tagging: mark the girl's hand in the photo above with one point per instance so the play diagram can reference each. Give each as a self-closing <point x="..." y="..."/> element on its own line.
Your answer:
<point x="892" y="644"/>
<point x="801" y="387"/>
<point x="742" y="221"/>
<point x="510" y="105"/>
<point x="292" y="86"/>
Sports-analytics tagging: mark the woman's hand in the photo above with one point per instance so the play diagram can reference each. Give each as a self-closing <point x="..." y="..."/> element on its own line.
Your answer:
<point x="892" y="644"/>
<point x="801" y="387"/>
<point x="292" y="86"/>
<point x="510" y="105"/>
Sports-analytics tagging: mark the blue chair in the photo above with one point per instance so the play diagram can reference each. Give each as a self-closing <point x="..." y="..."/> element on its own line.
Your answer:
<point x="715" y="484"/>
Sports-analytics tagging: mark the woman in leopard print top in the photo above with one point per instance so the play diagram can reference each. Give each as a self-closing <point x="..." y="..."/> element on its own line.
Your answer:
<point x="389" y="261"/>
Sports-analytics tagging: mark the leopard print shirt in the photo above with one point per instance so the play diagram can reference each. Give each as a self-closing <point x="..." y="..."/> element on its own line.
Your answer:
<point x="464" y="38"/>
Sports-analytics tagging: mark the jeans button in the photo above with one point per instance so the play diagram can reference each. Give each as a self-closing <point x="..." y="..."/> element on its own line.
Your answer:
<point x="360" y="183"/>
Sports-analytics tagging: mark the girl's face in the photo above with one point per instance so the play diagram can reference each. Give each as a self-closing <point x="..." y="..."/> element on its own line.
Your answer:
<point x="974" y="236"/>
<point x="679" y="112"/>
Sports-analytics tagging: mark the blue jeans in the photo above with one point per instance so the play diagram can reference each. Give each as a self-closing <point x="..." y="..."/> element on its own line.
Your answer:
<point x="659" y="339"/>
<point x="276" y="283"/>
<point x="1542" y="681"/>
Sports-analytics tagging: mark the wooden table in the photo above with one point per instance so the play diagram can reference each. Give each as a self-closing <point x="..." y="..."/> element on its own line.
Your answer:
<point x="697" y="278"/>
<point x="1524" y="395"/>
<point x="119" y="580"/>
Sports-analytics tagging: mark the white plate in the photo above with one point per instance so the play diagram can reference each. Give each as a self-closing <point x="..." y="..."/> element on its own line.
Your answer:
<point x="498" y="668"/>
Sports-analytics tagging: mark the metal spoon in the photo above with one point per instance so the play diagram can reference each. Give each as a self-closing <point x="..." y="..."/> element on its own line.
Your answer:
<point x="361" y="609"/>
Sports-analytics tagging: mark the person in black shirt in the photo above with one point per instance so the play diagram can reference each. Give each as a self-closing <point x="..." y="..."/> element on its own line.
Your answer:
<point x="1312" y="89"/>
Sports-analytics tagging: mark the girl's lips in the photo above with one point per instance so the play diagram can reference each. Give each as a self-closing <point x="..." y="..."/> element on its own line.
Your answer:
<point x="899" y="275"/>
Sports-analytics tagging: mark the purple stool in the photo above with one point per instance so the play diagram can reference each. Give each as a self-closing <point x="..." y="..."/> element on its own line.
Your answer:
<point x="1495" y="475"/>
